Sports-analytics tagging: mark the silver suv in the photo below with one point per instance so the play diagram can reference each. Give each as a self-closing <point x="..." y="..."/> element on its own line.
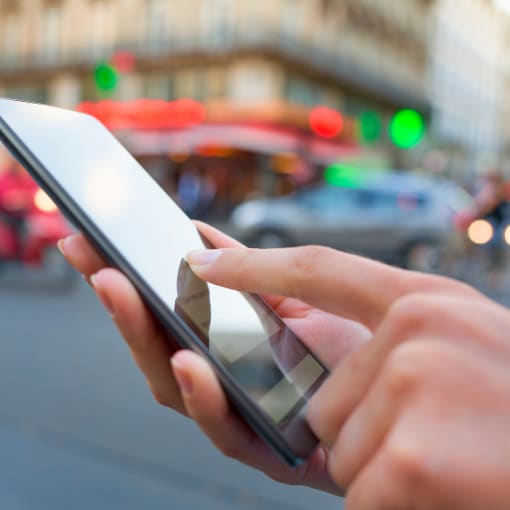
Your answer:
<point x="396" y="217"/>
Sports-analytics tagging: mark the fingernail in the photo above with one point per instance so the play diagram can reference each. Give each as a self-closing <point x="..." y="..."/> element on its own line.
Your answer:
<point x="105" y="300"/>
<point x="64" y="244"/>
<point x="202" y="257"/>
<point x="61" y="245"/>
<point x="183" y="379"/>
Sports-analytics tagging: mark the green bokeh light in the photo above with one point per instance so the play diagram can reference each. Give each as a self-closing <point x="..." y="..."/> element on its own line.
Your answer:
<point x="346" y="176"/>
<point x="407" y="129"/>
<point x="371" y="126"/>
<point x="106" y="77"/>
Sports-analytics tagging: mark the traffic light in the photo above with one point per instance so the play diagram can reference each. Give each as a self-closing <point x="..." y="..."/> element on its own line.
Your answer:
<point x="407" y="129"/>
<point x="370" y="126"/>
<point x="106" y="78"/>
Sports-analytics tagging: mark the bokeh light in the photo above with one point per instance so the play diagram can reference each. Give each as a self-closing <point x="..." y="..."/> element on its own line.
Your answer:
<point x="43" y="202"/>
<point x="507" y="235"/>
<point x="325" y="122"/>
<point x="344" y="175"/>
<point x="106" y="77"/>
<point x="370" y="126"/>
<point x="480" y="232"/>
<point x="407" y="129"/>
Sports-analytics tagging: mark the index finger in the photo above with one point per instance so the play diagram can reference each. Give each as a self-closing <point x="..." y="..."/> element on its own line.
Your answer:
<point x="86" y="259"/>
<point x="348" y="285"/>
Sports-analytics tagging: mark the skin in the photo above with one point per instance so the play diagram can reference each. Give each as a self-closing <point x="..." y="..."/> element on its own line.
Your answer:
<point x="416" y="418"/>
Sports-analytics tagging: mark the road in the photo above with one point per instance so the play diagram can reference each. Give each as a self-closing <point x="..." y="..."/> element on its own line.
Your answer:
<point x="79" y="429"/>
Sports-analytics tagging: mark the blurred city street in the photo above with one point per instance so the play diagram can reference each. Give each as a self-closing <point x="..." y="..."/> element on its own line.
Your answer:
<point x="79" y="429"/>
<point x="378" y="128"/>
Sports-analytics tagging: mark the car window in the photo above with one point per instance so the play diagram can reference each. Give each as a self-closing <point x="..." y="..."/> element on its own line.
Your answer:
<point x="370" y="200"/>
<point x="328" y="199"/>
<point x="388" y="200"/>
<point x="375" y="199"/>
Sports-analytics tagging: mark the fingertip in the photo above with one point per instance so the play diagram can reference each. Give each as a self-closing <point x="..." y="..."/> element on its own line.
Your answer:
<point x="188" y="364"/>
<point x="200" y="388"/>
<point x="201" y="260"/>
<point x="182" y="366"/>
<point x="68" y="246"/>
<point x="101" y="284"/>
<point x="217" y="238"/>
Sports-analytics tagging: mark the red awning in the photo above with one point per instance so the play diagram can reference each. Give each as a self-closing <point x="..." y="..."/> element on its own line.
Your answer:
<point x="254" y="138"/>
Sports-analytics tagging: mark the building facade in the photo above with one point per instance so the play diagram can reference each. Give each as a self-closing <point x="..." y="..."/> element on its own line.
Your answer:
<point x="347" y="54"/>
<point x="469" y="80"/>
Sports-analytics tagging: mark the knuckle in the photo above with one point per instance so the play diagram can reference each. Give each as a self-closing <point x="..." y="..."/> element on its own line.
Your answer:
<point x="403" y="370"/>
<point x="304" y="265"/>
<point x="444" y="284"/>
<point x="161" y="397"/>
<point x="414" y="312"/>
<point x="243" y="272"/>
<point x="407" y="464"/>
<point x="283" y="476"/>
<point x="230" y="450"/>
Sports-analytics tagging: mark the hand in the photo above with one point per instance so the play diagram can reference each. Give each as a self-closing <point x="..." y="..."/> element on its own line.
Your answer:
<point x="418" y="418"/>
<point x="329" y="336"/>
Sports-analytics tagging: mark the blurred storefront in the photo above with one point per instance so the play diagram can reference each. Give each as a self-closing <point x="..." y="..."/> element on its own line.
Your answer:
<point x="355" y="56"/>
<point x="210" y="156"/>
<point x="444" y="59"/>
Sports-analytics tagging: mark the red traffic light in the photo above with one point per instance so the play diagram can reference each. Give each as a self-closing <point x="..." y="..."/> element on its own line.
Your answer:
<point x="325" y="122"/>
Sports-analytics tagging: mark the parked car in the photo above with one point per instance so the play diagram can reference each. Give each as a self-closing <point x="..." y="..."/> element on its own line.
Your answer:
<point x="399" y="218"/>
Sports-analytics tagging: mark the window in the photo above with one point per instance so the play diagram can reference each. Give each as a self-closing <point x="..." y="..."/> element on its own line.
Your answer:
<point x="10" y="35"/>
<point x="159" y="87"/>
<point x="303" y="92"/>
<point x="219" y="20"/>
<point x="157" y="26"/>
<point x="101" y="27"/>
<point x="292" y="18"/>
<point x="327" y="200"/>
<point x="327" y="8"/>
<point x="34" y="93"/>
<point x="51" y="30"/>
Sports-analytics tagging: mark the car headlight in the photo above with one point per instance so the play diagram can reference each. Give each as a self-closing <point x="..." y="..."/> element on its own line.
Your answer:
<point x="43" y="202"/>
<point x="246" y="215"/>
<point x="480" y="232"/>
<point x="507" y="234"/>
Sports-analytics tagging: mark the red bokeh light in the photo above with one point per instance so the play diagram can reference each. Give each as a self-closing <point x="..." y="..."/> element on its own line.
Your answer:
<point x="326" y="122"/>
<point x="123" y="61"/>
<point x="146" y="113"/>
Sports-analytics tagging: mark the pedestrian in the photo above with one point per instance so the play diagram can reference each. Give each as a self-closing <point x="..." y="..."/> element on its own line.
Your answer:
<point x="416" y="411"/>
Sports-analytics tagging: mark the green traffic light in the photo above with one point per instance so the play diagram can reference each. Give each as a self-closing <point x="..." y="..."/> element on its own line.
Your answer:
<point x="407" y="129"/>
<point x="370" y="126"/>
<point x="106" y="77"/>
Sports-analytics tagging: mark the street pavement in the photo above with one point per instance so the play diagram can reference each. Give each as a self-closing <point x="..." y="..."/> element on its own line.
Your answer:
<point x="79" y="429"/>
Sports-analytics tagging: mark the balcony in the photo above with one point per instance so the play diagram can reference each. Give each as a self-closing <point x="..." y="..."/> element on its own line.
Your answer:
<point x="292" y="50"/>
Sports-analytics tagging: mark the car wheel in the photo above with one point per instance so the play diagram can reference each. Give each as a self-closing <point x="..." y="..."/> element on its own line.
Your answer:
<point x="425" y="257"/>
<point x="269" y="239"/>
